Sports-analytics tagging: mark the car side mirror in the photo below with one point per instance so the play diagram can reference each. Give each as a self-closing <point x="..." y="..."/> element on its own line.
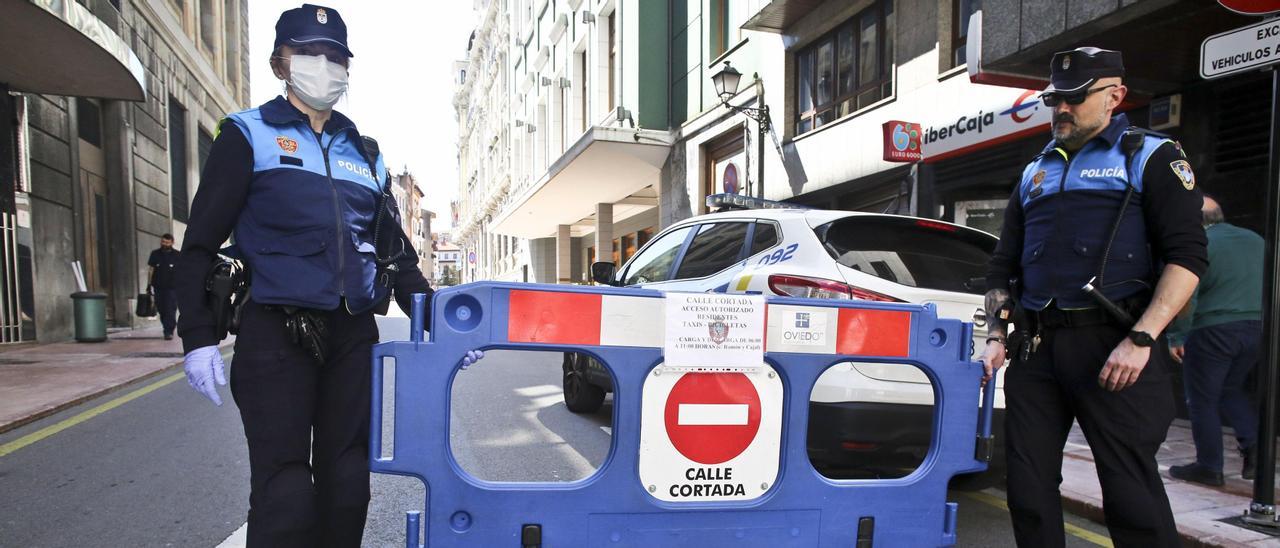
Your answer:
<point x="603" y="273"/>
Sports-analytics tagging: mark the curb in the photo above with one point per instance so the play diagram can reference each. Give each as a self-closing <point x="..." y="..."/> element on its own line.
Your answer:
<point x="1091" y="508"/>
<point x="44" y="413"/>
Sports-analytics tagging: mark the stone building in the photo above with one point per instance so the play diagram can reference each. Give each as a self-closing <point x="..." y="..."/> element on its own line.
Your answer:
<point x="115" y="105"/>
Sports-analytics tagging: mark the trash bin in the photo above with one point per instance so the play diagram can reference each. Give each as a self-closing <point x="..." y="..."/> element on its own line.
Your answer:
<point x="90" y="311"/>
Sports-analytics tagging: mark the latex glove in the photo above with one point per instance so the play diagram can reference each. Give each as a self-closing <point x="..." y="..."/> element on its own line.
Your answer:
<point x="204" y="367"/>
<point x="472" y="356"/>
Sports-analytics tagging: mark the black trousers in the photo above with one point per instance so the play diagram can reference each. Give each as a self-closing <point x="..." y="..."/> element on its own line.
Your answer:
<point x="167" y="307"/>
<point x="307" y="425"/>
<point x="1059" y="383"/>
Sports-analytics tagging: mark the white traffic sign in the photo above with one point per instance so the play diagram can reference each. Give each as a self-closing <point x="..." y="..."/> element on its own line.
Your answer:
<point x="710" y="436"/>
<point x="1239" y="50"/>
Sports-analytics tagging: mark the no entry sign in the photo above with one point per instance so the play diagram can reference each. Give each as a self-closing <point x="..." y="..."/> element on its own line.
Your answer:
<point x="710" y="436"/>
<point x="712" y="417"/>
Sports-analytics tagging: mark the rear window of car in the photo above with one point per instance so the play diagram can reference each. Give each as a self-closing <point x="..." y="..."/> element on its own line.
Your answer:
<point x="912" y="252"/>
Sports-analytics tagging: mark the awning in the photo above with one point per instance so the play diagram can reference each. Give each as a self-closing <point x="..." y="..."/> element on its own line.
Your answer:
<point x="778" y="15"/>
<point x="59" y="47"/>
<point x="607" y="165"/>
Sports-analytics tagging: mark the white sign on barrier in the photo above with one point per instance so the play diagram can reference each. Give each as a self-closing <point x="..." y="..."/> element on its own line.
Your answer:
<point x="713" y="330"/>
<point x="1242" y="49"/>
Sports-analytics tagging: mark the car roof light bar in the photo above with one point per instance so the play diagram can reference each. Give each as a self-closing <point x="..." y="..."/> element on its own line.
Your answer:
<point x="738" y="201"/>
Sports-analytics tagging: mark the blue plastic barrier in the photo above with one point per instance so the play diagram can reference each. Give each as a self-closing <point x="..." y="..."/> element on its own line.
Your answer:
<point x="612" y="507"/>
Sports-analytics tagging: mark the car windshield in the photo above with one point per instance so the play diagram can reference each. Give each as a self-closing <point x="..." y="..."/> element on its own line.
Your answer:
<point x="912" y="252"/>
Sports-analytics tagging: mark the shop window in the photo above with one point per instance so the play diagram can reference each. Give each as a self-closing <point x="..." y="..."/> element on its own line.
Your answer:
<point x="846" y="70"/>
<point x="961" y="10"/>
<point x="617" y="251"/>
<point x="628" y="247"/>
<point x="178" y="161"/>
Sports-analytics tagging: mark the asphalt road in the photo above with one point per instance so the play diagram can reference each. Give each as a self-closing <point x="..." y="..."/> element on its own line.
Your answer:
<point x="154" y="464"/>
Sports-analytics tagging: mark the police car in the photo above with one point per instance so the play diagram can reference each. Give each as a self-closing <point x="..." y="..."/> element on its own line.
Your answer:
<point x="872" y="417"/>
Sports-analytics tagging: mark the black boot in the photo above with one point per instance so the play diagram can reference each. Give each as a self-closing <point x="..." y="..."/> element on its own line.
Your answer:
<point x="1249" y="470"/>
<point x="1196" y="473"/>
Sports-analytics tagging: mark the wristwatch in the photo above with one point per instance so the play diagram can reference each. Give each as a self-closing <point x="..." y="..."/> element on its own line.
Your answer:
<point x="1141" y="338"/>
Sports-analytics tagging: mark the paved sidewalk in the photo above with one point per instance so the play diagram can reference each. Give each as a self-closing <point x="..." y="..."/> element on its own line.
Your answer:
<point x="1197" y="508"/>
<point x="37" y="380"/>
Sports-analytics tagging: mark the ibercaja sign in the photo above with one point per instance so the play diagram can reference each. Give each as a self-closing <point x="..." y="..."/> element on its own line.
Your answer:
<point x="902" y="141"/>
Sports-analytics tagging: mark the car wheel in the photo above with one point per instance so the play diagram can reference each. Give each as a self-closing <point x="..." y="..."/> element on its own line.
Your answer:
<point x="581" y="396"/>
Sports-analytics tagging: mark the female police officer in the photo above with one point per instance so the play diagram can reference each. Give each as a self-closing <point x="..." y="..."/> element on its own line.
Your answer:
<point x="295" y="183"/>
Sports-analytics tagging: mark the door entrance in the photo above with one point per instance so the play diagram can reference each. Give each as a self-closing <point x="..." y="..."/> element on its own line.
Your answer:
<point x="93" y="196"/>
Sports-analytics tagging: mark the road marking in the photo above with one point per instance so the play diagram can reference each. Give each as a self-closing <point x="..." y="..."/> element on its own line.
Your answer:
<point x="607" y="430"/>
<point x="54" y="429"/>
<point x="237" y="539"/>
<point x="1073" y="530"/>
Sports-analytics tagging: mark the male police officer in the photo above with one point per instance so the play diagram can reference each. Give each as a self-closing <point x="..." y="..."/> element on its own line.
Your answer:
<point x="302" y="191"/>
<point x="1116" y="208"/>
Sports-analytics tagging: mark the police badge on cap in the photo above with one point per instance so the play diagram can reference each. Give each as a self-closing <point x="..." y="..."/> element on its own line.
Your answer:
<point x="1076" y="70"/>
<point x="311" y="23"/>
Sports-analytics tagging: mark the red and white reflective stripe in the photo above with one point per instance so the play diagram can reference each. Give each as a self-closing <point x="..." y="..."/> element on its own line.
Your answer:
<point x="553" y="317"/>
<point x="586" y="319"/>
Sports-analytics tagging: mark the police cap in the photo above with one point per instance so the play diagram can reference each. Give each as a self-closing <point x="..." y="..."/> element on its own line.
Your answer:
<point x="1074" y="71"/>
<point x="309" y="24"/>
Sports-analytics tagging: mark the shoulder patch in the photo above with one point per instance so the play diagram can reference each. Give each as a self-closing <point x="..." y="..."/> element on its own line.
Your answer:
<point x="1182" y="169"/>
<point x="1038" y="178"/>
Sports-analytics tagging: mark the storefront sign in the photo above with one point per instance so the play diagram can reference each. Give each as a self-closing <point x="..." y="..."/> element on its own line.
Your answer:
<point x="1251" y="7"/>
<point x="901" y="141"/>
<point x="979" y="116"/>
<point x="1242" y="49"/>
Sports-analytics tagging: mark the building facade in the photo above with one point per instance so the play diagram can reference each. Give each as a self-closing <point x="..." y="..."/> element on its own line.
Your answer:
<point x="114" y="107"/>
<point x="587" y="125"/>
<point x="560" y="161"/>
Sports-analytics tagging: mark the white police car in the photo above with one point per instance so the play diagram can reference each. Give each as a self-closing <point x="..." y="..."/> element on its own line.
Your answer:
<point x="864" y="416"/>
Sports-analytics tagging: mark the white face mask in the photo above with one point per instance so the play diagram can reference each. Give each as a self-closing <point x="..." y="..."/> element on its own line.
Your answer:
<point x="317" y="81"/>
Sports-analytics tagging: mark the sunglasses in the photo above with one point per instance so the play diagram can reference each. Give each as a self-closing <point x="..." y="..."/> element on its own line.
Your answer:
<point x="1055" y="99"/>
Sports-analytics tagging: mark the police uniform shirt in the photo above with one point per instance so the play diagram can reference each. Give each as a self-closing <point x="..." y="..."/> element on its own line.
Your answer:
<point x="1167" y="199"/>
<point x="238" y="187"/>
<point x="166" y="264"/>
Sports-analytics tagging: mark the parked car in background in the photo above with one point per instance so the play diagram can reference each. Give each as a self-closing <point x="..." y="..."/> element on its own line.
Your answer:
<point x="866" y="419"/>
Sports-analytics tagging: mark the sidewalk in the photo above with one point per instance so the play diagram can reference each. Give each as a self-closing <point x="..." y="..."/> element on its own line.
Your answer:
<point x="1196" y="508"/>
<point x="37" y="380"/>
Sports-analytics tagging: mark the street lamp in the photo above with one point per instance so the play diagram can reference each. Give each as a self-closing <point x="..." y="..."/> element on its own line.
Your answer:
<point x="726" y="85"/>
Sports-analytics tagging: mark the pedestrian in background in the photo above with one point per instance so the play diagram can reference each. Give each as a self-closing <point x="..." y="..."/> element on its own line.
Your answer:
<point x="304" y="194"/>
<point x="1100" y="208"/>
<point x="1225" y="322"/>
<point x="162" y="283"/>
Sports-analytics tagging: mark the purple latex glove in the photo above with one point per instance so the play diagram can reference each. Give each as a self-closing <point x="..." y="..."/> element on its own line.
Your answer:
<point x="204" y="367"/>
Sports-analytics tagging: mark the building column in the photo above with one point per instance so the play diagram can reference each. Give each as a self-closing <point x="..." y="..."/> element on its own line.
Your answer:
<point x="604" y="233"/>
<point x="564" y="254"/>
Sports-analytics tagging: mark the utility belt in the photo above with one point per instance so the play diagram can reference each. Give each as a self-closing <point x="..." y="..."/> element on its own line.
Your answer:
<point x="307" y="327"/>
<point x="1031" y="324"/>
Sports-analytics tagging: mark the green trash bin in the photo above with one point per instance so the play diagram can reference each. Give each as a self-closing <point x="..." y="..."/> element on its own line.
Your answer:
<point x="90" y="311"/>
